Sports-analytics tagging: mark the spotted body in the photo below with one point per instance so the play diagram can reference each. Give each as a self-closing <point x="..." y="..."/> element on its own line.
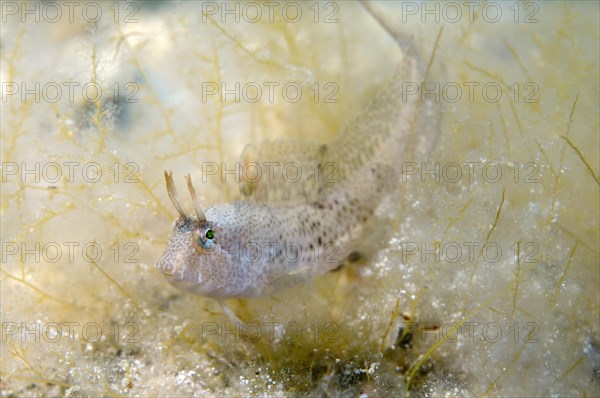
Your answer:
<point x="282" y="233"/>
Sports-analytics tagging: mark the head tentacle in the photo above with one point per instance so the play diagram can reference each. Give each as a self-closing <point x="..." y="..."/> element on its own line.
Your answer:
<point x="195" y="201"/>
<point x="173" y="194"/>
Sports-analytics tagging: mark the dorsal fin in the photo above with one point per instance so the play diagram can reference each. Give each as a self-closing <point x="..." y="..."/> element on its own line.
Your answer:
<point x="282" y="172"/>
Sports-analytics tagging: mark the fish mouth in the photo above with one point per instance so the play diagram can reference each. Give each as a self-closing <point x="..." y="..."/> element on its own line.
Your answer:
<point x="165" y="267"/>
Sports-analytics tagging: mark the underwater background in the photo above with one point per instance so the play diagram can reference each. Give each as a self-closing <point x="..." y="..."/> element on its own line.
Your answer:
<point x="487" y="280"/>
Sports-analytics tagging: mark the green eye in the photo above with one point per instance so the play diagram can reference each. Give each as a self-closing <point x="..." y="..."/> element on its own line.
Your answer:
<point x="204" y="237"/>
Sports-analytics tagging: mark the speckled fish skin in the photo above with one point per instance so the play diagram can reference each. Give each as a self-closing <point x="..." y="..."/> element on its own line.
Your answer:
<point x="261" y="247"/>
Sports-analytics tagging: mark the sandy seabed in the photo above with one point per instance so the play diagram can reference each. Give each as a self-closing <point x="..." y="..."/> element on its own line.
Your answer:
<point x="487" y="283"/>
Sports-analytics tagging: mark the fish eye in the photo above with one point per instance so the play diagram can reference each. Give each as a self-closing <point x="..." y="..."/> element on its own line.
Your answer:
<point x="205" y="237"/>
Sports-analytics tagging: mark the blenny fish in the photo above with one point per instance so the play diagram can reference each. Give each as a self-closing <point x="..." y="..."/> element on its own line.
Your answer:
<point x="285" y="232"/>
